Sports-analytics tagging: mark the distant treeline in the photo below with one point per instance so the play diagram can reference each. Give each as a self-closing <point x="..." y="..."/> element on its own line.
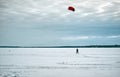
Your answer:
<point x="87" y="46"/>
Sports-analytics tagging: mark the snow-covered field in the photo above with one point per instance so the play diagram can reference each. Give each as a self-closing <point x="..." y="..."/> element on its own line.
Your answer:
<point x="59" y="62"/>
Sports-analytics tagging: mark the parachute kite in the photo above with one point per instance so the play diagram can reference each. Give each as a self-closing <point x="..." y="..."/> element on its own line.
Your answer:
<point x="71" y="8"/>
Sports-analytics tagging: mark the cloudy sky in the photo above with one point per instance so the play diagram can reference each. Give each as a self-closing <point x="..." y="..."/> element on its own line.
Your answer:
<point x="50" y="23"/>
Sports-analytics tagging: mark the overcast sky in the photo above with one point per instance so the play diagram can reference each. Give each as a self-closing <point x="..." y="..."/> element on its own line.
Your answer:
<point x="50" y="23"/>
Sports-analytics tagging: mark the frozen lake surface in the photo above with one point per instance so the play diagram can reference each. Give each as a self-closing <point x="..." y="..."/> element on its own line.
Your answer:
<point x="59" y="62"/>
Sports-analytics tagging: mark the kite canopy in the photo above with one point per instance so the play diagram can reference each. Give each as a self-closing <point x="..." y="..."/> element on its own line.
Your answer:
<point x="71" y="8"/>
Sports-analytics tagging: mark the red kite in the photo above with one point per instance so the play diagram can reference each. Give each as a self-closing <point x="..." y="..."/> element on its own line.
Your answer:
<point x="71" y="8"/>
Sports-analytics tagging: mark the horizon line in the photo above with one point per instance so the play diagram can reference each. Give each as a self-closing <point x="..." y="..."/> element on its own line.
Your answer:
<point x="65" y="46"/>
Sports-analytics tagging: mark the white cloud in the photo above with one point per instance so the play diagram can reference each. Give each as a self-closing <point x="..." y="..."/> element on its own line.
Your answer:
<point x="118" y="36"/>
<point x="75" y="38"/>
<point x="57" y="9"/>
<point x="102" y="6"/>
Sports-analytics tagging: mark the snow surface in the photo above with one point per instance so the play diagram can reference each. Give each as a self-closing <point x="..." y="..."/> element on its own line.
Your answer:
<point x="59" y="62"/>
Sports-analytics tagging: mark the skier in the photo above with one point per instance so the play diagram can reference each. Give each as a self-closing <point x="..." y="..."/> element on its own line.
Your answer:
<point x="77" y="51"/>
